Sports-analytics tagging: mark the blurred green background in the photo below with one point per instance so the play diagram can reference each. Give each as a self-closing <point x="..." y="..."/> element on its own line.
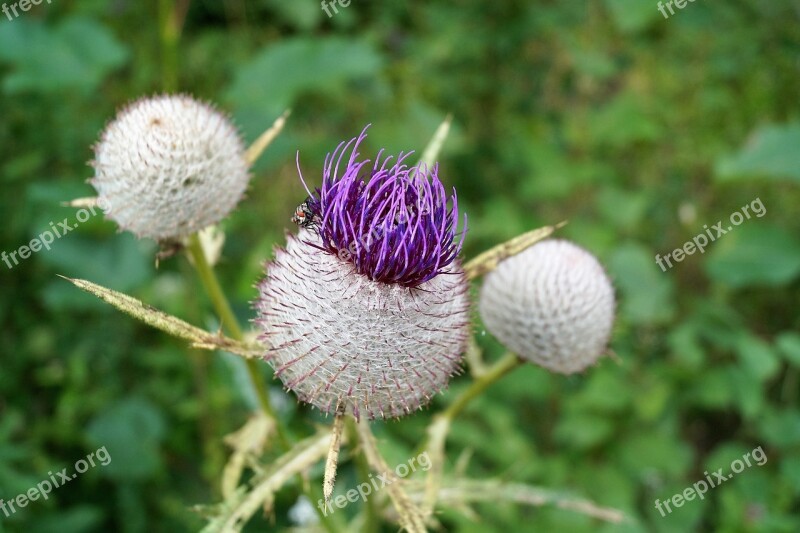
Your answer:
<point x="638" y="129"/>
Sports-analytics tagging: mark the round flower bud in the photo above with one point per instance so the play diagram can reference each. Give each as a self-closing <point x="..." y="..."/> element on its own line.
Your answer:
<point x="169" y="166"/>
<point x="366" y="310"/>
<point x="552" y="304"/>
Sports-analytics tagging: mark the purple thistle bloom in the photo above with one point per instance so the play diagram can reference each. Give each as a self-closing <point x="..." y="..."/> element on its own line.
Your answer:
<point x="391" y="222"/>
<point x="353" y="312"/>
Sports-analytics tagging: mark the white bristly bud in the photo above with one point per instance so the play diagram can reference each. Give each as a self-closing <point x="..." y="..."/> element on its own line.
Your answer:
<point x="348" y="344"/>
<point x="169" y="166"/>
<point x="552" y="304"/>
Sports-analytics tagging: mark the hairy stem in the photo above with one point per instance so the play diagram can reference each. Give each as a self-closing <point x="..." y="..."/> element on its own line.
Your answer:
<point x="229" y="322"/>
<point x="440" y="427"/>
<point x="169" y="26"/>
<point x="505" y="365"/>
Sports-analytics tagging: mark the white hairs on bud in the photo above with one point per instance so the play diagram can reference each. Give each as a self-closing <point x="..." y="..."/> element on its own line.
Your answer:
<point x="552" y="304"/>
<point x="347" y="344"/>
<point x="170" y="166"/>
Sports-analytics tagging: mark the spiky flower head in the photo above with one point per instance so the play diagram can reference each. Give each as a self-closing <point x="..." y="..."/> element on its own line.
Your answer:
<point x="169" y="166"/>
<point x="552" y="304"/>
<point x="366" y="311"/>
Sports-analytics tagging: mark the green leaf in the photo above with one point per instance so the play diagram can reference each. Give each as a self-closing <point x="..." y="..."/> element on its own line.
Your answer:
<point x="76" y="519"/>
<point x="593" y="62"/>
<point x="622" y="122"/>
<point x="652" y="400"/>
<point x="274" y="79"/>
<point x="77" y="54"/>
<point x="301" y="15"/>
<point x="723" y="455"/>
<point x="553" y="176"/>
<point x="583" y="430"/>
<point x="595" y="397"/>
<point x="685" y="346"/>
<point x="713" y="389"/>
<point x="781" y="428"/>
<point x="624" y="209"/>
<point x="790" y="470"/>
<point x="118" y="262"/>
<point x="757" y="356"/>
<point x="789" y="345"/>
<point x="771" y="152"/>
<point x="749" y="395"/>
<point x="656" y="451"/>
<point x="756" y="254"/>
<point x="647" y="292"/>
<point x="632" y="15"/>
<point x="131" y="431"/>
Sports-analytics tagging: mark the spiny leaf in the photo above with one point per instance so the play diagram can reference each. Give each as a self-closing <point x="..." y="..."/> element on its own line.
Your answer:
<point x="488" y="260"/>
<point x="437" y="435"/>
<point x="167" y="323"/>
<point x="332" y="461"/>
<point x="459" y="492"/>
<point x="233" y="514"/>
<point x="260" y="144"/>
<point x="247" y="443"/>
<point x="431" y="151"/>
<point x="410" y="515"/>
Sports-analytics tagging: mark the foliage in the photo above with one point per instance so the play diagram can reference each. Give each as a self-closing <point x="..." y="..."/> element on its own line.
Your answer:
<point x="636" y="129"/>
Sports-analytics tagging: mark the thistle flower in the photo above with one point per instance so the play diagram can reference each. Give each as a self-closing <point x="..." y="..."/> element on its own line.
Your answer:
<point x="169" y="166"/>
<point x="552" y="304"/>
<point x="366" y="311"/>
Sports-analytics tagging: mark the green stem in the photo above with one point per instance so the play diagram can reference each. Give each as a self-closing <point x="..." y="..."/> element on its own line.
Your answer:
<point x="169" y="27"/>
<point x="371" y="511"/>
<point x="505" y="365"/>
<point x="230" y="324"/>
<point x="436" y="435"/>
<point x="502" y="367"/>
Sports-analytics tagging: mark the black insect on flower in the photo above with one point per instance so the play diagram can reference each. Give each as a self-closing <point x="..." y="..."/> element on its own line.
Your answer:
<point x="304" y="215"/>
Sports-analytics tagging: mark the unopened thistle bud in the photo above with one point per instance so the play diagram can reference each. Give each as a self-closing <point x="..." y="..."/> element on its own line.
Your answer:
<point x="552" y="304"/>
<point x="169" y="166"/>
<point x="366" y="310"/>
